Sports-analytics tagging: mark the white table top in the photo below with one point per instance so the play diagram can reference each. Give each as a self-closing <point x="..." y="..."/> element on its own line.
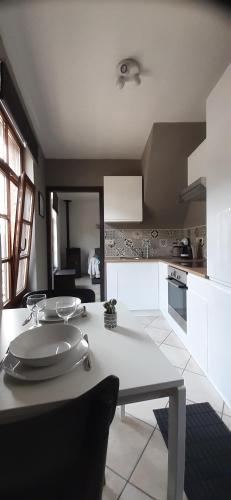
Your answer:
<point x="126" y="352"/>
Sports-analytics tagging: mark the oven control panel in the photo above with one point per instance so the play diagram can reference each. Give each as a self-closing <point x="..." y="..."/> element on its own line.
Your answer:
<point x="177" y="274"/>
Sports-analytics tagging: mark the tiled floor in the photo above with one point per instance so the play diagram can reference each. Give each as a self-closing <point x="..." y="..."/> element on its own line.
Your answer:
<point x="137" y="455"/>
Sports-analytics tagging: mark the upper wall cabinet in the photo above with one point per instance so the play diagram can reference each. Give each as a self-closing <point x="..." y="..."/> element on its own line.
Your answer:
<point x="123" y="200"/>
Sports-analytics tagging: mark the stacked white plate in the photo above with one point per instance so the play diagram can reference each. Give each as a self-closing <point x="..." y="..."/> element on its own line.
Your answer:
<point x="49" y="315"/>
<point x="45" y="352"/>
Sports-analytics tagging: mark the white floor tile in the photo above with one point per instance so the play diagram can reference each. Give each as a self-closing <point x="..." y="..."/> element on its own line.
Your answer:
<point x="131" y="493"/>
<point x="147" y="314"/>
<point x="145" y="320"/>
<point x="127" y="440"/>
<point x="174" y="341"/>
<point x="144" y="410"/>
<point x="114" y="485"/>
<point x="200" y="390"/>
<point x="156" y="334"/>
<point x="227" y="410"/>
<point x="160" y="322"/>
<point x="178" y="357"/>
<point x="192" y="366"/>
<point x="227" y="421"/>
<point x="150" y="474"/>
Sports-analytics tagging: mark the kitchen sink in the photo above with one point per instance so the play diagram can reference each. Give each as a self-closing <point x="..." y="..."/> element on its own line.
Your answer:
<point x="135" y="258"/>
<point x="131" y="258"/>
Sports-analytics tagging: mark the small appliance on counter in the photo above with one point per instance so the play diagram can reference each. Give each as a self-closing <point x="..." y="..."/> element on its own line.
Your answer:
<point x="186" y="249"/>
<point x="176" y="250"/>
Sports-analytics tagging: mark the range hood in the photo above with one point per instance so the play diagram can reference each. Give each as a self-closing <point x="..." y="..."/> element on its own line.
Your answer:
<point x="195" y="191"/>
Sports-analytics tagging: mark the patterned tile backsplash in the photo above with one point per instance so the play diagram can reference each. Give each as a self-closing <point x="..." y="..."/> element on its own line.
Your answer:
<point x="160" y="242"/>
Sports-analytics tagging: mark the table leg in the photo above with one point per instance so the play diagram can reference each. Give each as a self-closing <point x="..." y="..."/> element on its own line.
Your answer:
<point x="176" y="443"/>
<point x="122" y="413"/>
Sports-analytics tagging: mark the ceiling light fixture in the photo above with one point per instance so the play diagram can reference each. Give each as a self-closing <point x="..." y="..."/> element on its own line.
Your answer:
<point x="128" y="70"/>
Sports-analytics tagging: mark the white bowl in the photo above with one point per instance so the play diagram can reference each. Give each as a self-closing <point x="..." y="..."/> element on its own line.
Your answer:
<point x="50" y="308"/>
<point x="45" y="345"/>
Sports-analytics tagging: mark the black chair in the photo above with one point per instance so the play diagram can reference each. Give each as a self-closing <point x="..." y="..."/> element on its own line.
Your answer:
<point x="60" y="454"/>
<point x="85" y="294"/>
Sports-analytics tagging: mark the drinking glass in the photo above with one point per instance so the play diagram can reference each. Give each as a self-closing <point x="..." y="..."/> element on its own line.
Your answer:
<point x="66" y="307"/>
<point x="36" y="303"/>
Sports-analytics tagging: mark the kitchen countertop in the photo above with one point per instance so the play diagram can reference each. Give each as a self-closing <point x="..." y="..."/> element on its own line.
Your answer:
<point x="201" y="270"/>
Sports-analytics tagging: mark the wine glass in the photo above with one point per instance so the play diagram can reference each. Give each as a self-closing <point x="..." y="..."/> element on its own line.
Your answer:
<point x="36" y="303"/>
<point x="66" y="307"/>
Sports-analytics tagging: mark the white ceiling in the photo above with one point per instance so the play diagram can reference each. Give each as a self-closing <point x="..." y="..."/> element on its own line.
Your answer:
<point x="64" y="54"/>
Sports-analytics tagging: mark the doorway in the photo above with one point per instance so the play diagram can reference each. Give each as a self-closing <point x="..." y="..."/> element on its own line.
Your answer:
<point x="75" y="237"/>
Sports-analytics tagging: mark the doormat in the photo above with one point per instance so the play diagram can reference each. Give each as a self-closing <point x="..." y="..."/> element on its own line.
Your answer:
<point x="207" y="453"/>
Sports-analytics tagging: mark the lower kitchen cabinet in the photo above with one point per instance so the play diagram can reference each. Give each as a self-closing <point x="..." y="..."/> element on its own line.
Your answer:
<point x="163" y="287"/>
<point x="143" y="286"/>
<point x="219" y="344"/>
<point x="197" y="320"/>
<point x="208" y="332"/>
<point x="136" y="284"/>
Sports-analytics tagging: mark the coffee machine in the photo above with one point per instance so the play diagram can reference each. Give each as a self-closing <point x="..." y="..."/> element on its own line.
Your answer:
<point x="186" y="249"/>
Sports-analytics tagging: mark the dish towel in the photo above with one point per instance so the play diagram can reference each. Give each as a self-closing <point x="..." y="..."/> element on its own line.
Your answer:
<point x="93" y="268"/>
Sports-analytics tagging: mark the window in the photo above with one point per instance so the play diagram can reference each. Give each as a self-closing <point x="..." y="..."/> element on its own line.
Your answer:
<point x="16" y="214"/>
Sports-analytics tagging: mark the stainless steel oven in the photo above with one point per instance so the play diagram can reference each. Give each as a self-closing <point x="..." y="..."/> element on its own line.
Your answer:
<point x="177" y="296"/>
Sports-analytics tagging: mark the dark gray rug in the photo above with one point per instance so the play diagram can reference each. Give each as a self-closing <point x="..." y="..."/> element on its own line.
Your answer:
<point x="207" y="455"/>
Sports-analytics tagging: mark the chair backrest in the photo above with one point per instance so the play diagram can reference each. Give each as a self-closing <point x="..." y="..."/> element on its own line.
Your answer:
<point x="85" y="294"/>
<point x="60" y="454"/>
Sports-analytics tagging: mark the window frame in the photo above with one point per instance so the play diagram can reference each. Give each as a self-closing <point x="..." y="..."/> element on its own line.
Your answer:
<point x="20" y="181"/>
<point x="20" y="221"/>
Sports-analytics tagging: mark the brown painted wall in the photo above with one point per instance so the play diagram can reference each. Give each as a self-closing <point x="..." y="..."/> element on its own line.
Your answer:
<point x="164" y="170"/>
<point x="164" y="167"/>
<point x="87" y="172"/>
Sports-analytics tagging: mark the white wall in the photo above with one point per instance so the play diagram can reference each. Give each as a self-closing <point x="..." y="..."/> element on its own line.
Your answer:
<point x="63" y="232"/>
<point x="84" y="233"/>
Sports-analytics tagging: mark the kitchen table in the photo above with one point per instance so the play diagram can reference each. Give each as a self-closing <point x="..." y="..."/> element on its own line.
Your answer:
<point x="127" y="352"/>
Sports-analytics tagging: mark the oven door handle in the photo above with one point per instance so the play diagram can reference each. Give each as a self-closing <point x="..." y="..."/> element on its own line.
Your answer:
<point x="176" y="284"/>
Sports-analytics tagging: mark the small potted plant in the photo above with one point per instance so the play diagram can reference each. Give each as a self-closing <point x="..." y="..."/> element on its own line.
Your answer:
<point x="110" y="315"/>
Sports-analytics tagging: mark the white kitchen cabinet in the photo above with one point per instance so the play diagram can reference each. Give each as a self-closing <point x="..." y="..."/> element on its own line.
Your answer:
<point x="163" y="287"/>
<point x="208" y="336"/>
<point x="218" y="126"/>
<point x="111" y="277"/>
<point x="123" y="199"/>
<point x="134" y="284"/>
<point x="219" y="340"/>
<point x="197" y="320"/>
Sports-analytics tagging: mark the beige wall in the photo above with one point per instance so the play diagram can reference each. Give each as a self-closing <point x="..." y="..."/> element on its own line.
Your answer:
<point x="84" y="227"/>
<point x="40" y="227"/>
<point x="164" y="170"/>
<point x="87" y="172"/>
<point x="164" y="167"/>
<point x="38" y="261"/>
